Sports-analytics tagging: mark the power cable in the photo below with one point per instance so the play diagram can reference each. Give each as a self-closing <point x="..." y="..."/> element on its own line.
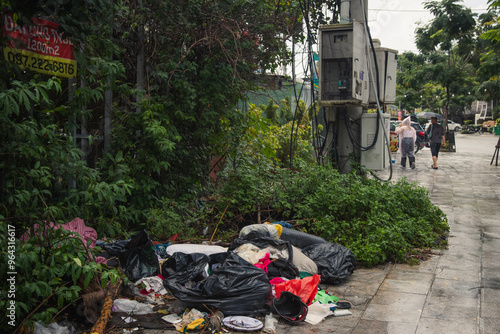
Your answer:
<point x="377" y="92"/>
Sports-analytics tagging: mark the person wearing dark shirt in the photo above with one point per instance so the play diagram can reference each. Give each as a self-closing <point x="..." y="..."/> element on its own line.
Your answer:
<point x="435" y="133"/>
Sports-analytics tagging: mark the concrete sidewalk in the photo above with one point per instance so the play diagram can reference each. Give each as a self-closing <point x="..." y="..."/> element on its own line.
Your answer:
<point x="457" y="290"/>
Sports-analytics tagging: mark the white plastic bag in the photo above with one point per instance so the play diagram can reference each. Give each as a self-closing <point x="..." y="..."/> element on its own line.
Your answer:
<point x="131" y="307"/>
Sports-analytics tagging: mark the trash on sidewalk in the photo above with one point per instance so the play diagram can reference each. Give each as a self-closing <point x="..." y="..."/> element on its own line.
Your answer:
<point x="257" y="274"/>
<point x="270" y="324"/>
<point x="305" y="288"/>
<point x="242" y="323"/>
<point x="191" y="320"/>
<point x="318" y="312"/>
<point x="324" y="298"/>
<point x="236" y="287"/>
<point x="335" y="262"/>
<point x="338" y="313"/>
<point x="290" y="307"/>
<point x="195" y="248"/>
<point x="172" y="318"/>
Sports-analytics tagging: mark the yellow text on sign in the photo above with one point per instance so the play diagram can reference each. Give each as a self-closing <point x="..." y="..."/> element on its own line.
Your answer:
<point x="60" y="67"/>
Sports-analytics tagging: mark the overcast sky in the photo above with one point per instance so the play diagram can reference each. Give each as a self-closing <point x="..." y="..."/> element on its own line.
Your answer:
<point x="393" y="22"/>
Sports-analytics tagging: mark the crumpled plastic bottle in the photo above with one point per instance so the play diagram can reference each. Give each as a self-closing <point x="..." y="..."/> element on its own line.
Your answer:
<point x="270" y="324"/>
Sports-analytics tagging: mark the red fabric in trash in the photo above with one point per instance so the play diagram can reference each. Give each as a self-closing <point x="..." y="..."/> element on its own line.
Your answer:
<point x="305" y="288"/>
<point x="264" y="262"/>
<point x="276" y="280"/>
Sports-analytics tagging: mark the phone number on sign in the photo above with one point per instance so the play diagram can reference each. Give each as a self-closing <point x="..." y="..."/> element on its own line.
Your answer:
<point x="41" y="64"/>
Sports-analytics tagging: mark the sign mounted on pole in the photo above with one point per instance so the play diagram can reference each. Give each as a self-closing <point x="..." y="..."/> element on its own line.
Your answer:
<point x="39" y="47"/>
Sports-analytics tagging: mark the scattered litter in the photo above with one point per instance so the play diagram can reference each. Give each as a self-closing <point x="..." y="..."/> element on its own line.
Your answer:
<point x="324" y="298"/>
<point x="270" y="324"/>
<point x="235" y="288"/>
<point x="172" y="318"/>
<point x="131" y="307"/>
<point x="191" y="319"/>
<point x="215" y="322"/>
<point x="318" y="312"/>
<point x="52" y="328"/>
<point x="128" y="320"/>
<point x="242" y="323"/>
<point x="300" y="239"/>
<point x="338" y="313"/>
<point x="343" y="305"/>
<point x="161" y="250"/>
<point x="152" y="284"/>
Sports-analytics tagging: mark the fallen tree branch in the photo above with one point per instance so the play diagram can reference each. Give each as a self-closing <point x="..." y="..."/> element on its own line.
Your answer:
<point x="100" y="325"/>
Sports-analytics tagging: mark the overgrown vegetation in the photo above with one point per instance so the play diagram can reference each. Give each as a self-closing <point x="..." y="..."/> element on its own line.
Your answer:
<point x="379" y="221"/>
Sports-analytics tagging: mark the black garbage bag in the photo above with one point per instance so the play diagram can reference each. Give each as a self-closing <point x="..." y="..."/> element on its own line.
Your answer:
<point x="282" y="268"/>
<point x="189" y="263"/>
<point x="235" y="288"/>
<point x="335" y="262"/>
<point x="138" y="258"/>
<point x="300" y="239"/>
<point x="115" y="248"/>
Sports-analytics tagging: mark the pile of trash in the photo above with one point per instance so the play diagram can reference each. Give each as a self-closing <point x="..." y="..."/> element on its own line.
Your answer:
<point x="269" y="272"/>
<point x="269" y="269"/>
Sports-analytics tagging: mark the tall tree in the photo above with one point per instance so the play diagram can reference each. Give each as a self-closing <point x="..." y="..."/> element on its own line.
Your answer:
<point x="489" y="68"/>
<point x="447" y="42"/>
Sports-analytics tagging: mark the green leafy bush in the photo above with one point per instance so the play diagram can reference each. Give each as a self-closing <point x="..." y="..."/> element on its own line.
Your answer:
<point x="173" y="217"/>
<point x="50" y="272"/>
<point x="379" y="221"/>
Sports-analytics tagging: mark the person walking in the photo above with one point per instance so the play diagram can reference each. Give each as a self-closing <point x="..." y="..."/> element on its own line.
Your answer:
<point x="435" y="133"/>
<point x="407" y="137"/>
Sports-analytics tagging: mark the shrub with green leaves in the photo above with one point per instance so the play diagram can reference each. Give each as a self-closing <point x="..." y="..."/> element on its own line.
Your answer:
<point x="379" y="221"/>
<point x="52" y="269"/>
<point x="172" y="217"/>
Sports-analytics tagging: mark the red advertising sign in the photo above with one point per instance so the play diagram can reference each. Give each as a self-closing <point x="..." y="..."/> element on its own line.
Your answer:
<point x="39" y="47"/>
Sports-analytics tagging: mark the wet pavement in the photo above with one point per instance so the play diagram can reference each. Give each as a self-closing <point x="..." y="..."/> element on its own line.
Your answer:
<point x="458" y="289"/>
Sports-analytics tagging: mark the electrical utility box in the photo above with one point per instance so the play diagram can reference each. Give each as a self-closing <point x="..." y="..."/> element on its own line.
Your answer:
<point x="387" y="61"/>
<point x="343" y="75"/>
<point x="376" y="158"/>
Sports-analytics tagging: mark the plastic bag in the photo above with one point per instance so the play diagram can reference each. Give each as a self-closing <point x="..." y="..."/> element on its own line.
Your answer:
<point x="335" y="262"/>
<point x="255" y="238"/>
<point x="131" y="307"/>
<point x="305" y="288"/>
<point x="138" y="258"/>
<point x="52" y="328"/>
<point x="301" y="239"/>
<point x="191" y="265"/>
<point x="235" y="288"/>
<point x="266" y="230"/>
